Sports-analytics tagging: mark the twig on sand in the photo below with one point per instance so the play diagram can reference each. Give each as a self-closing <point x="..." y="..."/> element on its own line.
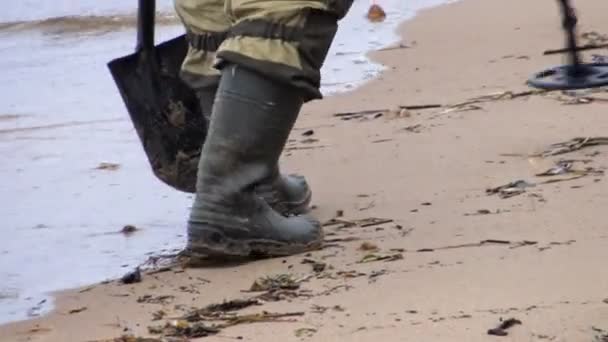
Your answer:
<point x="398" y="47"/>
<point x="572" y="145"/>
<point x="376" y="111"/>
<point x="475" y="244"/>
<point x="501" y="329"/>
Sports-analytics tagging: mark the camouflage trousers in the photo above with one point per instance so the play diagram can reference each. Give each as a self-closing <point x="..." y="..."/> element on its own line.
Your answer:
<point x="285" y="40"/>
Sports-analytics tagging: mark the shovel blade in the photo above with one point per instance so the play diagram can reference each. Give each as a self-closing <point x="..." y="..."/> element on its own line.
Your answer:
<point x="164" y="111"/>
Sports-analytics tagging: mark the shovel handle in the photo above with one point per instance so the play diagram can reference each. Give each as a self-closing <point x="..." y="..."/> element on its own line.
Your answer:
<point x="145" y="25"/>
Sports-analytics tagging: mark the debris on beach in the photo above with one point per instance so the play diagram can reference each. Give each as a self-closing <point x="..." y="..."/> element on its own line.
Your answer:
<point x="132" y="277"/>
<point x="350" y="274"/>
<point x="405" y="109"/>
<point x="593" y="37"/>
<point x="319" y="309"/>
<point x="397" y="47"/>
<point x="601" y="335"/>
<point x="301" y="148"/>
<point x="376" y="13"/>
<point x="280" y="295"/>
<point x="149" y="299"/>
<point x="185" y="329"/>
<point x="373" y="257"/>
<point x="309" y="141"/>
<point x="195" y="327"/>
<point x="333" y="290"/>
<point x="471" y="104"/>
<point x="128" y="229"/>
<point x="501" y="330"/>
<point x="228" y="306"/>
<point x="280" y="281"/>
<point x="572" y="145"/>
<point x="580" y="96"/>
<point x="363" y="223"/>
<point x="372" y="221"/>
<point x="131" y="338"/>
<point x="523" y="243"/>
<point x="464" y="107"/>
<point x="317" y="266"/>
<point x="413" y="128"/>
<point x="108" y="166"/>
<point x="263" y="317"/>
<point x="38" y="329"/>
<point x="368" y="247"/>
<point x="376" y="274"/>
<point x="305" y="332"/>
<point x="35" y="310"/>
<point x="510" y="190"/>
<point x="220" y="310"/>
<point x="158" y="315"/>
<point x="79" y="310"/>
<point x="561" y="167"/>
<point x="399" y="113"/>
<point x="339" y="223"/>
<point x="332" y="242"/>
<point x="467" y="245"/>
<point x="600" y="58"/>
<point x="482" y="212"/>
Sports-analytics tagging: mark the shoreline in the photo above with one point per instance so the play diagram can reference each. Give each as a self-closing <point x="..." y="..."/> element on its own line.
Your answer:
<point x="414" y="164"/>
<point x="42" y="303"/>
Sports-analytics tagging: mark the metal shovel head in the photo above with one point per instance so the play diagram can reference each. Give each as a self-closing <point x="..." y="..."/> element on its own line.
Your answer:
<point x="164" y="110"/>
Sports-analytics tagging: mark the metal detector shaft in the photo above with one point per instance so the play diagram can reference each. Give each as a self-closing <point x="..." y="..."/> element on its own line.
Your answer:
<point x="569" y="25"/>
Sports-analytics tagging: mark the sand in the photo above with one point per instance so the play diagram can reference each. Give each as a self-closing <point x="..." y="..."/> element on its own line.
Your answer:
<point x="469" y="259"/>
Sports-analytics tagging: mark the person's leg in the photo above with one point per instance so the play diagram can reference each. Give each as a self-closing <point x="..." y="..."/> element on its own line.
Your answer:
<point x="285" y="40"/>
<point x="270" y="65"/>
<point x="207" y="24"/>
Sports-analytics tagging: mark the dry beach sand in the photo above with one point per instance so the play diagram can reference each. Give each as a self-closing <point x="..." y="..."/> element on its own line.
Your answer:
<point x="449" y="260"/>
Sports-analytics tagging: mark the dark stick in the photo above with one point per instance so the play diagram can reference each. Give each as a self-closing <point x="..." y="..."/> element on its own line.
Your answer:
<point x="375" y="111"/>
<point x="569" y="25"/>
<point x="431" y="106"/>
<point x="580" y="48"/>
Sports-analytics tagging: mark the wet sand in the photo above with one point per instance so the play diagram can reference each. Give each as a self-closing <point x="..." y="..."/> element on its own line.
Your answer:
<point x="61" y="118"/>
<point x="456" y="260"/>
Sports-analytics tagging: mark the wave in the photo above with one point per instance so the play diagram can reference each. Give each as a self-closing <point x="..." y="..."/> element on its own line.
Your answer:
<point x="84" y="24"/>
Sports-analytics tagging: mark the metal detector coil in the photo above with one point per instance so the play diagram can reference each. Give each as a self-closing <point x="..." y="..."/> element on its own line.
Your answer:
<point x="576" y="74"/>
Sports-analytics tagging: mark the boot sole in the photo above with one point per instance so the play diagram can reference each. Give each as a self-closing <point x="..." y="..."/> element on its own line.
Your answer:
<point x="216" y="244"/>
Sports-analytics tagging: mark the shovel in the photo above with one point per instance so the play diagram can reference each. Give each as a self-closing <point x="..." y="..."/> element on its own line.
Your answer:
<point x="164" y="110"/>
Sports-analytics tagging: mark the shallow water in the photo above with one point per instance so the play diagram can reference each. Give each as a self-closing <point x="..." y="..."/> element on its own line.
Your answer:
<point x="61" y="116"/>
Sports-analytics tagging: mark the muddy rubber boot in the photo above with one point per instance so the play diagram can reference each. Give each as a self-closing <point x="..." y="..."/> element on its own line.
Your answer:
<point x="287" y="194"/>
<point x="251" y="121"/>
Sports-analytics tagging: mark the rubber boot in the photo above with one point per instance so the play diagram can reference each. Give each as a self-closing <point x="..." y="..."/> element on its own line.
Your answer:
<point x="288" y="194"/>
<point x="251" y="121"/>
